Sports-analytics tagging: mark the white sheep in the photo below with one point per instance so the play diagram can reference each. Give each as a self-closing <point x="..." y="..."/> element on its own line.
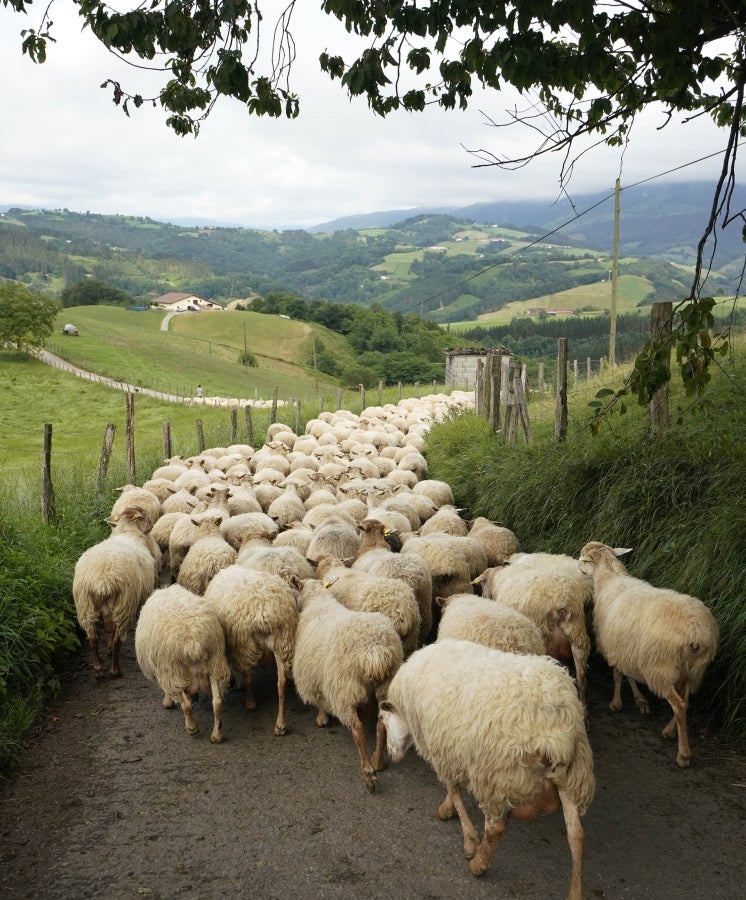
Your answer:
<point x="649" y="634"/>
<point x="258" y="612"/>
<point x="179" y="645"/>
<point x="467" y="617"/>
<point x="141" y="498"/>
<point x="508" y="728"/>
<point x="541" y="586"/>
<point x="343" y="659"/>
<point x="207" y="555"/>
<point x="375" y="556"/>
<point x="498" y="542"/>
<point x="374" y="593"/>
<point x="334" y="537"/>
<point x="111" y="581"/>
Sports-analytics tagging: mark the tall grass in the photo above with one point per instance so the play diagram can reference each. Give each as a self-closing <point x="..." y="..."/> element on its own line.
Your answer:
<point x="676" y="500"/>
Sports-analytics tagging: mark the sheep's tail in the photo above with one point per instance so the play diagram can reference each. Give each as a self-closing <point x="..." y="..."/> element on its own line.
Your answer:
<point x="581" y="782"/>
<point x="701" y="647"/>
<point x="380" y="660"/>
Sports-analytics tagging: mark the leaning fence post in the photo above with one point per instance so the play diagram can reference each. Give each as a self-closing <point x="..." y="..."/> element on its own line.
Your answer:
<point x="249" y="425"/>
<point x="200" y="436"/>
<point x="103" y="463"/>
<point x="129" y="437"/>
<point x="560" y="409"/>
<point x="47" y="490"/>
<point x="273" y="411"/>
<point x="297" y="416"/>
<point x="234" y="425"/>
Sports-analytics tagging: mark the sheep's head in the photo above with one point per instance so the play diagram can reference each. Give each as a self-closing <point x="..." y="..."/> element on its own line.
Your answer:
<point x="398" y="734"/>
<point x="595" y="552"/>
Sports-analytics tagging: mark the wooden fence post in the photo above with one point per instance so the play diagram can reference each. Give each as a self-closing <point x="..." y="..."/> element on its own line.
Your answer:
<point x="129" y="437"/>
<point x="660" y="331"/>
<point x="361" y="388"/>
<point x="200" y="436"/>
<point x="297" y="416"/>
<point x="417" y="389"/>
<point x="541" y="384"/>
<point x="479" y="398"/>
<point x="398" y="386"/>
<point x="339" y="399"/>
<point x="380" y="391"/>
<point x="103" y="462"/>
<point x="166" y="441"/>
<point x="47" y="490"/>
<point x="249" y="425"/>
<point x="560" y="409"/>
<point x="493" y="376"/>
<point x="588" y="368"/>
<point x="273" y="411"/>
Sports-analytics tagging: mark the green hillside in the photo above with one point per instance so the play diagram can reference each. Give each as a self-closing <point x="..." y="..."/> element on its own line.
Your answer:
<point x="204" y="348"/>
<point x="441" y="267"/>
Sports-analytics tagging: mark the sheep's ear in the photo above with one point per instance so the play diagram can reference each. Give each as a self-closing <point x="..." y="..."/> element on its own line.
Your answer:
<point x="442" y="602"/>
<point x="621" y="551"/>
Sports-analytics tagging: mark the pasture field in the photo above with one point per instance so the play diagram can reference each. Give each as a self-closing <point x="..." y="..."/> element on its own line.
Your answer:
<point x="198" y="348"/>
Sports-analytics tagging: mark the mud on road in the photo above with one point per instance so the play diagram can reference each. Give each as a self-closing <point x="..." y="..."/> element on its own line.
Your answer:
<point x="114" y="800"/>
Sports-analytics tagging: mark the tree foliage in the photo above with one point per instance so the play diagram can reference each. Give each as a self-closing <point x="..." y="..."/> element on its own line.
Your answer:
<point x="26" y="318"/>
<point x="92" y="292"/>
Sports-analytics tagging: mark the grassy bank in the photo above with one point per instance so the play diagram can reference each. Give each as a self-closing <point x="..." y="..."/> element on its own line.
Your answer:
<point x="677" y="501"/>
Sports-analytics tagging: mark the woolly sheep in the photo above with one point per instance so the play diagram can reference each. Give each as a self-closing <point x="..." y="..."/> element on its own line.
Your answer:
<point x="446" y="520"/>
<point x="498" y="542"/>
<point x="275" y="559"/>
<point x="376" y="557"/>
<point x="374" y="593"/>
<point x="236" y="528"/>
<point x="298" y="536"/>
<point x="655" y="635"/>
<point x="209" y="553"/>
<point x="258" y="612"/>
<point x="335" y="537"/>
<point x="509" y="728"/>
<point x="111" y="580"/>
<point x="287" y="508"/>
<point x="140" y="498"/>
<point x="470" y="618"/>
<point x="179" y="645"/>
<point x="539" y="586"/>
<point x="183" y="501"/>
<point x="440" y="492"/>
<point x="343" y="659"/>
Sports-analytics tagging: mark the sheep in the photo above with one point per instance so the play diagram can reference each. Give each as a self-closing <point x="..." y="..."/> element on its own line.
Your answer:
<point x="489" y="622"/>
<point x="335" y="537"/>
<point x="509" y="728"/>
<point x="539" y="586"/>
<point x="183" y="501"/>
<point x="144" y="500"/>
<point x="446" y="520"/>
<point x="209" y="553"/>
<point x="655" y="635"/>
<point x="179" y="644"/>
<point x="287" y="508"/>
<point x="258" y="612"/>
<point x="298" y="536"/>
<point x="236" y="528"/>
<point x="111" y="581"/>
<point x="374" y="593"/>
<point x="498" y="542"/>
<point x="376" y="557"/>
<point x="440" y="492"/>
<point x="275" y="559"/>
<point x="344" y="658"/>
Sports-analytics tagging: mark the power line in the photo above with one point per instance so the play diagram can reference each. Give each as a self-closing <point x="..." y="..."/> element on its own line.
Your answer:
<point x="548" y="234"/>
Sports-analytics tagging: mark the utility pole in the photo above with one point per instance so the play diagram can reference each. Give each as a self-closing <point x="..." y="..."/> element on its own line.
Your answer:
<point x="614" y="278"/>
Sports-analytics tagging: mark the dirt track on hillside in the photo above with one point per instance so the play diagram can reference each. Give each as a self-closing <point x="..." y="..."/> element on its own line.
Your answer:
<point x="114" y="800"/>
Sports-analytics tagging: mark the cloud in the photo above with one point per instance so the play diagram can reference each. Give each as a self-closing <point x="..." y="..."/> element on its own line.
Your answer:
<point x="66" y="145"/>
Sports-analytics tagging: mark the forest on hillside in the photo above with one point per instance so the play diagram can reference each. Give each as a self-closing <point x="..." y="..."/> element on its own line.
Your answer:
<point x="436" y="266"/>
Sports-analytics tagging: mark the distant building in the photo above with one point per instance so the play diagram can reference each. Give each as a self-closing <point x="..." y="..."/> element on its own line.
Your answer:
<point x="461" y="365"/>
<point x="177" y="302"/>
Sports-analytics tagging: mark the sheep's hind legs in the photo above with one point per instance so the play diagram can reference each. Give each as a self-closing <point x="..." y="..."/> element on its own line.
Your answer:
<point x="98" y="668"/>
<point x="493" y="832"/>
<point x="576" y="841"/>
<point x="678" y="723"/>
<point x="280" y="723"/>
<point x="217" y="712"/>
<point x="186" y="705"/>
<point x="454" y="804"/>
<point x="367" y="767"/>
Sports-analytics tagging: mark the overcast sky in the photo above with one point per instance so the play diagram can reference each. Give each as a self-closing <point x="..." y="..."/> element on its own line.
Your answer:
<point x="63" y="144"/>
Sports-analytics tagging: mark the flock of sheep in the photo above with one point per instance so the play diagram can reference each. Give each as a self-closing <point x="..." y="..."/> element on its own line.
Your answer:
<point x="332" y="556"/>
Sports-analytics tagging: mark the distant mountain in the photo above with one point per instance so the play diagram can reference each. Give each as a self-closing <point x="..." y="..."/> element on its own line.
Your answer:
<point x="665" y="219"/>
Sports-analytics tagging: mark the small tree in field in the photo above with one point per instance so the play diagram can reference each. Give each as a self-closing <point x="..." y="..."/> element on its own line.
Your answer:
<point x="26" y="318"/>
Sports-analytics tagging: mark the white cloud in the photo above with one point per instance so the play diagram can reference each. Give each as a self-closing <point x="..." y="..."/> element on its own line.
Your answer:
<point x="65" y="144"/>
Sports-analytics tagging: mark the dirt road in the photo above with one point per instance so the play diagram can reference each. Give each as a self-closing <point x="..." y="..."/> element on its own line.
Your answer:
<point x="114" y="800"/>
